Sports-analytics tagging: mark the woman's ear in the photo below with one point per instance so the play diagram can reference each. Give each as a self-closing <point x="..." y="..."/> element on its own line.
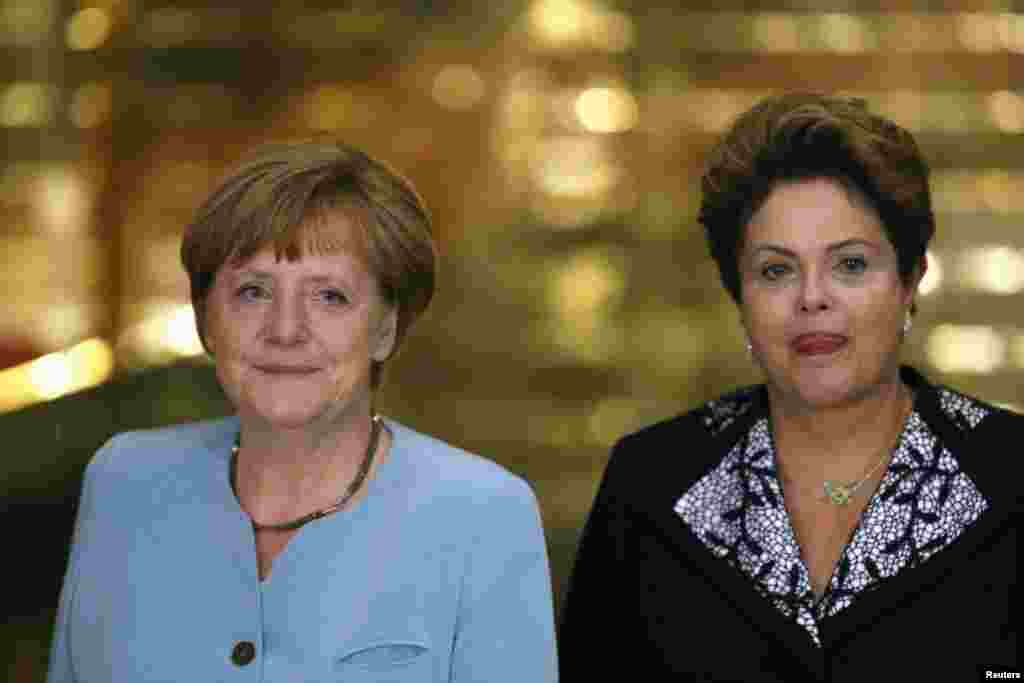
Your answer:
<point x="386" y="334"/>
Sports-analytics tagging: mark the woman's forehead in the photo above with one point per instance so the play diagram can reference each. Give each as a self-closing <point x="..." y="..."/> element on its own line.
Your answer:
<point x="810" y="214"/>
<point x="320" y="233"/>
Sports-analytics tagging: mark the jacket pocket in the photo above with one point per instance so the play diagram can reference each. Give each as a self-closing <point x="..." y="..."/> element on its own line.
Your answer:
<point x="386" y="661"/>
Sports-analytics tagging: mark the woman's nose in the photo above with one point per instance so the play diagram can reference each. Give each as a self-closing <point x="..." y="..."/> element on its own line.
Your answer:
<point x="814" y="294"/>
<point x="287" y="322"/>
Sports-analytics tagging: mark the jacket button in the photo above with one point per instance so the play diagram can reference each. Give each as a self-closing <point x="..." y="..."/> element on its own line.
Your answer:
<point x="243" y="653"/>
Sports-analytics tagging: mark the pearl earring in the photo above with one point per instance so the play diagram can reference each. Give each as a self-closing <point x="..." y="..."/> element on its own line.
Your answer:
<point x="908" y="323"/>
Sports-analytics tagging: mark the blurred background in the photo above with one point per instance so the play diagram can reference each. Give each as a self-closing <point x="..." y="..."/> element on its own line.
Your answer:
<point x="559" y="144"/>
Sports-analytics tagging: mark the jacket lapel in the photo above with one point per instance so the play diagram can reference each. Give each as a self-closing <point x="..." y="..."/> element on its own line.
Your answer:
<point x="975" y="443"/>
<point x="910" y="585"/>
<point x="735" y="590"/>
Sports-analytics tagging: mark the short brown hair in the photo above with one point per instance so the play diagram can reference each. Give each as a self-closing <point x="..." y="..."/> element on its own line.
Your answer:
<point x="801" y="136"/>
<point x="270" y="199"/>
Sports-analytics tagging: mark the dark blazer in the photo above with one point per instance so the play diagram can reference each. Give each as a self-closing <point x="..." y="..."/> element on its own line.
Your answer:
<point x="647" y="597"/>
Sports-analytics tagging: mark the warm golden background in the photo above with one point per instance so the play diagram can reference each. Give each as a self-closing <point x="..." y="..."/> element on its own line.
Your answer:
<point x="559" y="144"/>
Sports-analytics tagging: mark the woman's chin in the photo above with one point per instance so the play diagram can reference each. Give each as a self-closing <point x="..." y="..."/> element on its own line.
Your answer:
<point x="288" y="416"/>
<point x="821" y="395"/>
<point x="823" y="399"/>
<point x="819" y="387"/>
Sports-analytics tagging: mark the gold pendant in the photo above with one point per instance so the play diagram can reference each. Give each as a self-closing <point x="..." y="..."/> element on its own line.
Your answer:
<point x="837" y="494"/>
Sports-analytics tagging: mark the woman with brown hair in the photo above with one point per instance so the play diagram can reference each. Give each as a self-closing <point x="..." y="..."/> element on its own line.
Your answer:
<point x="304" y="538"/>
<point x="847" y="520"/>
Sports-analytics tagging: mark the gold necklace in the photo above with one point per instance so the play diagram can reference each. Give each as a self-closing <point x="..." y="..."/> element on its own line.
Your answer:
<point x="839" y="492"/>
<point x="357" y="481"/>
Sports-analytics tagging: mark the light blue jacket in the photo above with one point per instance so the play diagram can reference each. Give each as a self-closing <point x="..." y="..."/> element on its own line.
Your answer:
<point x="438" y="574"/>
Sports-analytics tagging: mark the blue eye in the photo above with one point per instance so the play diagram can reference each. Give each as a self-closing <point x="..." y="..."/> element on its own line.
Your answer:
<point x="333" y="297"/>
<point x="252" y="292"/>
<point x="774" y="271"/>
<point x="853" y="265"/>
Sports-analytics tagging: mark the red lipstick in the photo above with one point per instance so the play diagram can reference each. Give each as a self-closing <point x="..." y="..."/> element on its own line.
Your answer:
<point x="818" y="343"/>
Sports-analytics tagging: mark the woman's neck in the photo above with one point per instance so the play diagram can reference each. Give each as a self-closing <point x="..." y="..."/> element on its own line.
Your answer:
<point x="841" y="441"/>
<point x="280" y="472"/>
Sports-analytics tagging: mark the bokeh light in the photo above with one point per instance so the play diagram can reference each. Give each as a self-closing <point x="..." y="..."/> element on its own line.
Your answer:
<point x="1007" y="111"/>
<point x="560" y="24"/>
<point x="56" y="374"/>
<point x="459" y="87"/>
<point x="88" y="29"/>
<point x="583" y="294"/>
<point x="606" y="110"/>
<point x="844" y="33"/>
<point x="775" y="32"/>
<point x="91" y="105"/>
<point x="978" y="31"/>
<point x="26" y="104"/>
<point x="65" y="323"/>
<point x="166" y="332"/>
<point x="574" y="166"/>
<point x="62" y="201"/>
<point x="975" y="349"/>
<point x="996" y="269"/>
<point x="933" y="276"/>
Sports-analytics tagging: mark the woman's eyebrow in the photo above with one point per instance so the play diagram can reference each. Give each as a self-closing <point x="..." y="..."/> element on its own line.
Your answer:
<point x="836" y="246"/>
<point x="773" y="248"/>
<point x="251" y="272"/>
<point x="852" y="243"/>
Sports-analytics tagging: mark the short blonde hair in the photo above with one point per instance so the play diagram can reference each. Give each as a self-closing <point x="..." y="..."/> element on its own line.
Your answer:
<point x="270" y="200"/>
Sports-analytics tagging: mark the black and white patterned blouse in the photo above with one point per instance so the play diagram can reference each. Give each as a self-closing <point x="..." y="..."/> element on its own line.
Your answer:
<point x="923" y="503"/>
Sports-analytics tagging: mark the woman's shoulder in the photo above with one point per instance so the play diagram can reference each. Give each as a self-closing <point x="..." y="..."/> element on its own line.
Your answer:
<point x="970" y="435"/>
<point x="958" y="413"/>
<point x="707" y="422"/>
<point x="158" y="448"/>
<point x="441" y="466"/>
<point x="684" y="447"/>
<point x="442" y="486"/>
<point x="967" y="412"/>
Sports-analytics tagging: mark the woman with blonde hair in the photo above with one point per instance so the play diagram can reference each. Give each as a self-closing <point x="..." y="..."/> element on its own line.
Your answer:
<point x="304" y="538"/>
